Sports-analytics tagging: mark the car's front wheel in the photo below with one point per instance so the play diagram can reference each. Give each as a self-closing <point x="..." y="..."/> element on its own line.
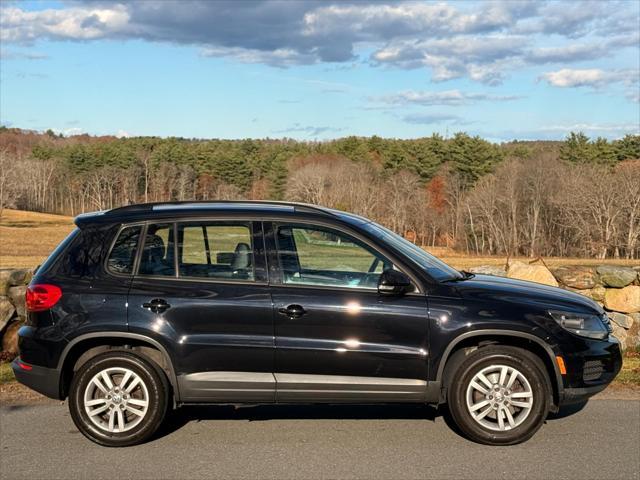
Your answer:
<point x="499" y="395"/>
<point x="118" y="399"/>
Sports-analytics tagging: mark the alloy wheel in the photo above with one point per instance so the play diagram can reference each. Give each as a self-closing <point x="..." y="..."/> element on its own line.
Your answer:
<point x="499" y="397"/>
<point x="116" y="399"/>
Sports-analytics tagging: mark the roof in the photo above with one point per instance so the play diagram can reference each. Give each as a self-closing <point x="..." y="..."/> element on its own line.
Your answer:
<point x="147" y="211"/>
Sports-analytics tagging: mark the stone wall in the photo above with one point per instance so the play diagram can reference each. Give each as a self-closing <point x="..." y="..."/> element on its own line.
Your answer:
<point x="616" y="288"/>
<point x="13" y="285"/>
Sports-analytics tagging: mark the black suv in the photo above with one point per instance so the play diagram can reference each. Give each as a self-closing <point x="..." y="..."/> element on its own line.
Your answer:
<point x="152" y="306"/>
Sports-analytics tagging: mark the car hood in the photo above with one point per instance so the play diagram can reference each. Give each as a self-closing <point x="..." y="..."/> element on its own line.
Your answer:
<point x="519" y="291"/>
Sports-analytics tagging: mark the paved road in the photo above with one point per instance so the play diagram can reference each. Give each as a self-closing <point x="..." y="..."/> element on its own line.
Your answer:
<point x="601" y="441"/>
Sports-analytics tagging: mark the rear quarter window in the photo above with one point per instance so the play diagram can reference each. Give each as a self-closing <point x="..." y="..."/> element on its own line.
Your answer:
<point x="85" y="254"/>
<point x="124" y="249"/>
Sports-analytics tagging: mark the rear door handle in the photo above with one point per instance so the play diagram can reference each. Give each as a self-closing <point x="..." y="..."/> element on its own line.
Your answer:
<point x="157" y="305"/>
<point x="292" y="311"/>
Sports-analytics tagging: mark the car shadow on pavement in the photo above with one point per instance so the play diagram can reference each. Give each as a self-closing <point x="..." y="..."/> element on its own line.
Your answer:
<point x="567" y="411"/>
<point x="180" y="417"/>
<point x="254" y="413"/>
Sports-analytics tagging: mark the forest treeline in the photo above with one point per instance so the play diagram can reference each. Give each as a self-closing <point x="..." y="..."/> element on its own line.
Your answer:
<point x="579" y="197"/>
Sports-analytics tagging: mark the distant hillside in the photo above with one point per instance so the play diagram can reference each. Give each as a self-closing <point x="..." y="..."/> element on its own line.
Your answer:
<point x="574" y="197"/>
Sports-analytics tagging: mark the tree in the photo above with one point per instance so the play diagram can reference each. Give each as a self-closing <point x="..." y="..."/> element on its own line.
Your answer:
<point x="577" y="149"/>
<point x="473" y="157"/>
<point x="8" y="180"/>
<point x="628" y="147"/>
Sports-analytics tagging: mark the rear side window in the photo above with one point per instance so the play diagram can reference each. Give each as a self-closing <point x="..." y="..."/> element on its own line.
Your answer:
<point x="216" y="250"/>
<point x="158" y="253"/>
<point x="123" y="252"/>
<point x="84" y="256"/>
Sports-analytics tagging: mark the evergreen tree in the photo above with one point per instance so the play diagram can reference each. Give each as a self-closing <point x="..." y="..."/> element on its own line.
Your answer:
<point x="627" y="147"/>
<point x="577" y="149"/>
<point x="473" y="157"/>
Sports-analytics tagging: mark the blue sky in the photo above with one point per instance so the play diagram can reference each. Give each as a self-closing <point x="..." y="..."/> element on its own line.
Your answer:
<point x="321" y="69"/>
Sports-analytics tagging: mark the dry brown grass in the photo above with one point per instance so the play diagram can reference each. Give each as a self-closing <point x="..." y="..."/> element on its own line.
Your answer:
<point x="27" y="238"/>
<point x="461" y="261"/>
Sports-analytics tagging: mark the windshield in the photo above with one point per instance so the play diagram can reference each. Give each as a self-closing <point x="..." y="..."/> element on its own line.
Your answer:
<point x="435" y="267"/>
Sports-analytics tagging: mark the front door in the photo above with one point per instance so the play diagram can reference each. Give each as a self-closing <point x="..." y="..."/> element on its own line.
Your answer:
<point x="337" y="339"/>
<point x="201" y="288"/>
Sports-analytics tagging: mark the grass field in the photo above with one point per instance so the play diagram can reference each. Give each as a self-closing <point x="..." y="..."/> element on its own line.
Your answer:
<point x="27" y="238"/>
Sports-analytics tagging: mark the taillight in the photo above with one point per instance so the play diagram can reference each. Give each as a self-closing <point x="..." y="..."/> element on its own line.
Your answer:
<point x="42" y="296"/>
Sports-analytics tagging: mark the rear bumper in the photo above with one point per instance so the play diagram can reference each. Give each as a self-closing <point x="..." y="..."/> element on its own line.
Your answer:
<point x="41" y="379"/>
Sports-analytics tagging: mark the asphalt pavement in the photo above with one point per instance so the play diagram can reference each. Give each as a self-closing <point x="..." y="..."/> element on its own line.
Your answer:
<point x="599" y="441"/>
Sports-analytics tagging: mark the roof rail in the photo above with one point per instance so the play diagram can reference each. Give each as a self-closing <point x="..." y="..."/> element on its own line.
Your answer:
<point x="148" y="207"/>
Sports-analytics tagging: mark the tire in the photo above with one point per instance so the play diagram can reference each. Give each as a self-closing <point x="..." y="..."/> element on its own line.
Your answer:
<point x="114" y="416"/>
<point x="511" y="406"/>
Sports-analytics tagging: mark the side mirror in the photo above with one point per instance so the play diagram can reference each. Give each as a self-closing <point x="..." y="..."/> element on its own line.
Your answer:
<point x="393" y="282"/>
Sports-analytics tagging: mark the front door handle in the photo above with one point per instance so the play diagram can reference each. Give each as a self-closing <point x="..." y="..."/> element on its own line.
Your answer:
<point x="157" y="305"/>
<point x="292" y="311"/>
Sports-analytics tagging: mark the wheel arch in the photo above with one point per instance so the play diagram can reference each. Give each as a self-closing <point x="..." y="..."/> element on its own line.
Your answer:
<point x="79" y="350"/>
<point x="452" y="356"/>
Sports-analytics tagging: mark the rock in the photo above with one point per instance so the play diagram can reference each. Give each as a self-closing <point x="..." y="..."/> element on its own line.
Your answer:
<point x="10" y="337"/>
<point x="6" y="311"/>
<point x="596" y="293"/>
<point x="532" y="273"/>
<point x="616" y="277"/>
<point x="621" y="334"/>
<point x="20" y="277"/>
<point x="489" y="270"/>
<point x="16" y="294"/>
<point x="625" y="300"/>
<point x="633" y="334"/>
<point x="620" y="319"/>
<point x="4" y="281"/>
<point x="575" y="276"/>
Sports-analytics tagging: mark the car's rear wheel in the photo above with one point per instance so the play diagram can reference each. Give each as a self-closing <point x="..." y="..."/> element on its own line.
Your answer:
<point x="499" y="395"/>
<point x="118" y="399"/>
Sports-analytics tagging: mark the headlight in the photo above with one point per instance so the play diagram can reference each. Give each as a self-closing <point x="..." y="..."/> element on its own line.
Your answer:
<point x="585" y="325"/>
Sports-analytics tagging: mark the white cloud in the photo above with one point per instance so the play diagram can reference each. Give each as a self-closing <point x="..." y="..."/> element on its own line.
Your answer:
<point x="277" y="58"/>
<point x="20" y="26"/>
<point x="480" y="41"/>
<point x="481" y="58"/>
<point x="122" y="134"/>
<point x="568" y="77"/>
<point x="596" y="78"/>
<point x="434" y="118"/>
<point x="443" y="97"/>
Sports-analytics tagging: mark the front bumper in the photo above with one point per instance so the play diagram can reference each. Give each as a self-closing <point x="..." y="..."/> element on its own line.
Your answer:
<point x="41" y="379"/>
<point x="591" y="368"/>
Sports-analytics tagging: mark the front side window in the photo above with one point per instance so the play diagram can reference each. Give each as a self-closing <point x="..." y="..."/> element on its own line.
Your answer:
<point x="216" y="250"/>
<point x="158" y="258"/>
<point x="312" y="255"/>
<point x="123" y="252"/>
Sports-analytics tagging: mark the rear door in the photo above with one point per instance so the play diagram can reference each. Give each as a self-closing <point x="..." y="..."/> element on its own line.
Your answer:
<point x="201" y="289"/>
<point x="337" y="339"/>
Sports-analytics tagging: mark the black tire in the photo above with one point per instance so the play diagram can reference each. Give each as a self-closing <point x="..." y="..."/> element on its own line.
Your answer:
<point x="155" y="387"/>
<point x="481" y="360"/>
